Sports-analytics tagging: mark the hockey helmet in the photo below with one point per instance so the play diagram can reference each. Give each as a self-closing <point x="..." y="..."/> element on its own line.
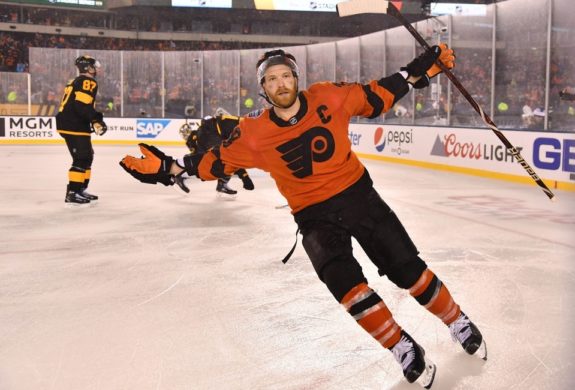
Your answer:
<point x="275" y="57"/>
<point x="84" y="62"/>
<point x="185" y="130"/>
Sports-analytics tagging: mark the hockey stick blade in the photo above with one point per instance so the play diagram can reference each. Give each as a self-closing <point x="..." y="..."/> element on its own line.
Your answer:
<point x="355" y="7"/>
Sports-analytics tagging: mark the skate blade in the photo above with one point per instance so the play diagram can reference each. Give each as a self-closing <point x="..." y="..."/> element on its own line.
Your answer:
<point x="224" y="196"/>
<point x="71" y="205"/>
<point x="428" y="375"/>
<point x="482" y="350"/>
<point x="181" y="186"/>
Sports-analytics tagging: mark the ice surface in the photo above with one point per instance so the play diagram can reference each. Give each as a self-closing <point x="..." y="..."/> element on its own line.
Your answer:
<point x="155" y="289"/>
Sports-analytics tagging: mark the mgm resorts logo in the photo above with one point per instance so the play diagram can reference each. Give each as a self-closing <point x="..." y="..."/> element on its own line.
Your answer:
<point x="27" y="127"/>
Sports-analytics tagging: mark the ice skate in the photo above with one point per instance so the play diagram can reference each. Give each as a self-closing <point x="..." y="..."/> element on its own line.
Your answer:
<point x="87" y="195"/>
<point x="411" y="357"/>
<point x="180" y="182"/>
<point x="466" y="333"/>
<point x="223" y="188"/>
<point x="74" y="198"/>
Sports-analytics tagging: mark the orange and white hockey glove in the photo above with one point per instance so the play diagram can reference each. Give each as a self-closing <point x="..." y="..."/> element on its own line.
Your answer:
<point x="152" y="168"/>
<point x="447" y="57"/>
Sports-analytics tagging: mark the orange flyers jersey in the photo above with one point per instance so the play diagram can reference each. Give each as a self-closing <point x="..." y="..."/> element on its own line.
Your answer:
<point x="309" y="156"/>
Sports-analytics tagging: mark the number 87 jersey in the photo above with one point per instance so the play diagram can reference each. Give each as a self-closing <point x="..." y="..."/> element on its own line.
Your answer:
<point x="76" y="111"/>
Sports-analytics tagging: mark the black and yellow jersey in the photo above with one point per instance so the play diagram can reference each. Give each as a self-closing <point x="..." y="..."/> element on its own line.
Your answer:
<point x="77" y="110"/>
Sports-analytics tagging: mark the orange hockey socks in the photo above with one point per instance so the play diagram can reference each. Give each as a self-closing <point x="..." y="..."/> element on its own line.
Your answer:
<point x="435" y="297"/>
<point x="372" y="314"/>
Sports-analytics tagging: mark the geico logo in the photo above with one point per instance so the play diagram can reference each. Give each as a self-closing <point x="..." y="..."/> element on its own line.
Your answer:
<point x="400" y="137"/>
<point x="552" y="154"/>
<point x="150" y="127"/>
<point x="31" y="123"/>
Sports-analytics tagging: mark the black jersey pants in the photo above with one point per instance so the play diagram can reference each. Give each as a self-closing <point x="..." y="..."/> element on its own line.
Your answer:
<point x="82" y="152"/>
<point x="357" y="212"/>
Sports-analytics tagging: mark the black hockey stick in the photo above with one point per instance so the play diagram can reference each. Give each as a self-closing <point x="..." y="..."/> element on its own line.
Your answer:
<point x="354" y="7"/>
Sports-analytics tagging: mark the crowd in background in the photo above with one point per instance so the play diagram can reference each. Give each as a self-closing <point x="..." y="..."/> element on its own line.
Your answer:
<point x="519" y="100"/>
<point x="14" y="46"/>
<point x="200" y="20"/>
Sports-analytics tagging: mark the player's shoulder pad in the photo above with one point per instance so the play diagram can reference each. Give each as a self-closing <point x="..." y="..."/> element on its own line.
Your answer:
<point x="229" y="117"/>
<point x="225" y="124"/>
<point x="228" y="121"/>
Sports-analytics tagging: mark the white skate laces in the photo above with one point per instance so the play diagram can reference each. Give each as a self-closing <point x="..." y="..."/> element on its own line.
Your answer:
<point x="466" y="333"/>
<point x="404" y="352"/>
<point x="414" y="364"/>
<point x="460" y="329"/>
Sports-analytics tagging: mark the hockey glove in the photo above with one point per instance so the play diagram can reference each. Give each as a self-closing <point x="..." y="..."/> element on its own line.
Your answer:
<point x="246" y="180"/>
<point x="447" y="58"/>
<point x="192" y="141"/>
<point x="99" y="127"/>
<point x="153" y="167"/>
<point x="424" y="65"/>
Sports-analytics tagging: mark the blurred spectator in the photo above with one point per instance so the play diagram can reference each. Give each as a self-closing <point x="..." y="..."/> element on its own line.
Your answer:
<point x="567" y="94"/>
<point x="14" y="46"/>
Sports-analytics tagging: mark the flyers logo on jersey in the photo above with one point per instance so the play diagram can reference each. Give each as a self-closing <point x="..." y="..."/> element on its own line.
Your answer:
<point x="315" y="145"/>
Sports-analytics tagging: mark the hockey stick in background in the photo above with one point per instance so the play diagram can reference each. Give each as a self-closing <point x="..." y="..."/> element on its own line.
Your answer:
<point x="354" y="7"/>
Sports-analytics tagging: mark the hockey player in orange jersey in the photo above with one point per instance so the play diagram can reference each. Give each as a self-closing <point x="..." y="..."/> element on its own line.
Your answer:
<point x="302" y="141"/>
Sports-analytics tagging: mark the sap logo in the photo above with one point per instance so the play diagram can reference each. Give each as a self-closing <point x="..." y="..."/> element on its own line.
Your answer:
<point x="548" y="153"/>
<point x="150" y="128"/>
<point x="379" y="139"/>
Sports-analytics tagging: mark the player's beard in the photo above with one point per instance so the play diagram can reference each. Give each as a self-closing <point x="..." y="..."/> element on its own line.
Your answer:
<point x="285" y="100"/>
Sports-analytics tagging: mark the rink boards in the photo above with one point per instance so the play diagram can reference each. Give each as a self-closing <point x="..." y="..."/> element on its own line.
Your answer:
<point x="464" y="150"/>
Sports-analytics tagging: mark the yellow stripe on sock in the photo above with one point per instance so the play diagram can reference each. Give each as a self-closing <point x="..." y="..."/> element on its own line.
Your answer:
<point x="76" y="177"/>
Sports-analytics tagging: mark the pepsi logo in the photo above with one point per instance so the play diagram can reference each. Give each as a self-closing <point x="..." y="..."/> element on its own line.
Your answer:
<point x="379" y="139"/>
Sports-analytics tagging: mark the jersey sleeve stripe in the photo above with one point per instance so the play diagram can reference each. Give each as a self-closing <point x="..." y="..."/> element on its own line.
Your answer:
<point x="395" y="84"/>
<point x="374" y="100"/>
<point x="84" y="97"/>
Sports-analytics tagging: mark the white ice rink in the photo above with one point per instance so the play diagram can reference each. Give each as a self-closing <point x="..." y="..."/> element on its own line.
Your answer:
<point x="152" y="289"/>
